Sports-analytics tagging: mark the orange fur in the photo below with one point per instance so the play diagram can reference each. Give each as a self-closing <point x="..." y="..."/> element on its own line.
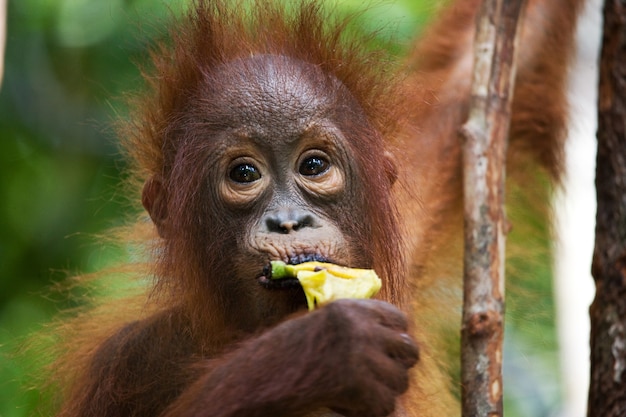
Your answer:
<point x="417" y="106"/>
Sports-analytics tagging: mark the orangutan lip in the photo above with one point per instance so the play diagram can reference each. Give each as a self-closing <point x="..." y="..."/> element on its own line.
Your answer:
<point x="287" y="283"/>
<point x="311" y="257"/>
<point x="278" y="284"/>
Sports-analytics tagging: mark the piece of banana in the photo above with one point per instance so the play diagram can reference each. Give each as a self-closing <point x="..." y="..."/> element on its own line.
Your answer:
<point x="324" y="282"/>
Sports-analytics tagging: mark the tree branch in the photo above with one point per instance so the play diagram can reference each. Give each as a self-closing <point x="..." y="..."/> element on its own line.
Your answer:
<point x="607" y="391"/>
<point x="485" y="134"/>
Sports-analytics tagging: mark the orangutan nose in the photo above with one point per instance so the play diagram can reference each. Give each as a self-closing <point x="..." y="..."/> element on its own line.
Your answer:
<point x="287" y="220"/>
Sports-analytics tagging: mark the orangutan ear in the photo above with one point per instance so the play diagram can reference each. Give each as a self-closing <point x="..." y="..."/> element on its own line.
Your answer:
<point x="154" y="200"/>
<point x="391" y="167"/>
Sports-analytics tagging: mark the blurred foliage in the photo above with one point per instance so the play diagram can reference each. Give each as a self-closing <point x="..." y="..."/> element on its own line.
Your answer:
<point x="67" y="64"/>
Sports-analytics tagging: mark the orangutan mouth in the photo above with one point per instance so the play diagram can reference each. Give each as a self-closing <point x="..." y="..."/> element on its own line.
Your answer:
<point x="265" y="279"/>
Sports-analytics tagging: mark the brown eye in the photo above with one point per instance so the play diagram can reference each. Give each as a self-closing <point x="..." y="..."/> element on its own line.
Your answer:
<point x="314" y="165"/>
<point x="244" y="173"/>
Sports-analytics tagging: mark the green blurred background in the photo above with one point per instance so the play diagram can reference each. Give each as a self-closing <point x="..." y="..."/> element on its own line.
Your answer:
<point x="67" y="64"/>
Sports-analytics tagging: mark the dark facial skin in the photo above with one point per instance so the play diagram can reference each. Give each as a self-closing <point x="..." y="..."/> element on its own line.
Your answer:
<point x="284" y="157"/>
<point x="281" y="178"/>
<point x="282" y="168"/>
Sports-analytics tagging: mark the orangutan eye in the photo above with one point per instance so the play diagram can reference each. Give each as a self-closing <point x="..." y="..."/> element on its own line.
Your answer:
<point x="314" y="165"/>
<point x="244" y="173"/>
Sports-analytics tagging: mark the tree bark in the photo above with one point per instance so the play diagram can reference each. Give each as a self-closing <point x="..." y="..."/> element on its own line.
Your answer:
<point x="484" y="150"/>
<point x="607" y="391"/>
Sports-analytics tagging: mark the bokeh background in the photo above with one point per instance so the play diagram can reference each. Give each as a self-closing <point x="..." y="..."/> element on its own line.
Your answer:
<point x="68" y="63"/>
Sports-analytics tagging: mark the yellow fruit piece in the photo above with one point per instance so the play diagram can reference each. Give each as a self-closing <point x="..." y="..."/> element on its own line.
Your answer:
<point x="324" y="282"/>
